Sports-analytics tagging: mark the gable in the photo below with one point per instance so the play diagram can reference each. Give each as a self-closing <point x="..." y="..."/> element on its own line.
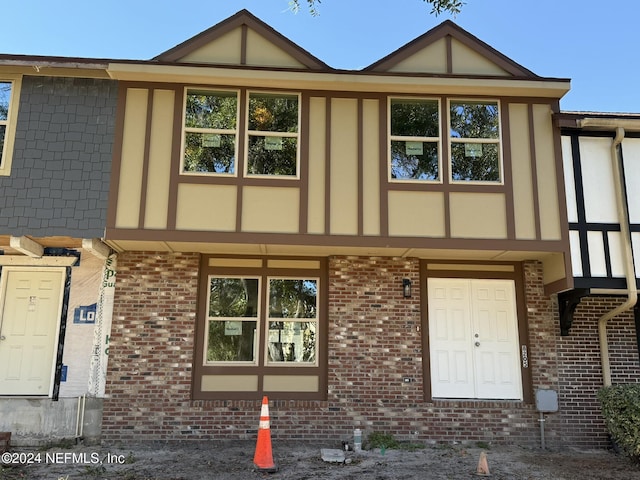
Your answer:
<point x="242" y="40"/>
<point x="448" y="49"/>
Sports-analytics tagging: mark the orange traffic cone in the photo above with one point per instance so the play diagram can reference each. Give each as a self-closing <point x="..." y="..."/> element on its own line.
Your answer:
<point x="263" y="458"/>
<point x="483" y="465"/>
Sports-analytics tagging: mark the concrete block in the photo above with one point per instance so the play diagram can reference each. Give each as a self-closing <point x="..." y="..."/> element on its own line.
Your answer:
<point x="332" y="455"/>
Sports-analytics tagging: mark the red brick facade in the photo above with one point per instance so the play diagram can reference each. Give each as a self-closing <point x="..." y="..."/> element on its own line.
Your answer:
<point x="375" y="377"/>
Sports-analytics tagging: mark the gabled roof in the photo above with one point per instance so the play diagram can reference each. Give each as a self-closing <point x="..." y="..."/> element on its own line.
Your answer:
<point x="242" y="39"/>
<point x="449" y="49"/>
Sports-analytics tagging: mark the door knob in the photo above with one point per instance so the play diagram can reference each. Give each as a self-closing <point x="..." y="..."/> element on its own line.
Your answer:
<point x="477" y="344"/>
<point x="2" y="337"/>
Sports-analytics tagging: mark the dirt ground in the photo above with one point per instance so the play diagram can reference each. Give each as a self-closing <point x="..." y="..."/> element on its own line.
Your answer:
<point x="233" y="460"/>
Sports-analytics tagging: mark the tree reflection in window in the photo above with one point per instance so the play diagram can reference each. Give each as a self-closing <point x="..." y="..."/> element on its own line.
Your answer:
<point x="475" y="141"/>
<point x="233" y="313"/>
<point x="210" y="132"/>
<point x="273" y="134"/>
<point x="293" y="337"/>
<point x="5" y="97"/>
<point x="415" y="138"/>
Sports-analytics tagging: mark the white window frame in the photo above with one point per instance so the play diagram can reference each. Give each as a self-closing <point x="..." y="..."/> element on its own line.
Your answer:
<point x="214" y="131"/>
<point x="269" y="319"/>
<point x="481" y="141"/>
<point x="404" y="138"/>
<point x="256" y="340"/>
<point x="263" y="133"/>
<point x="6" y="155"/>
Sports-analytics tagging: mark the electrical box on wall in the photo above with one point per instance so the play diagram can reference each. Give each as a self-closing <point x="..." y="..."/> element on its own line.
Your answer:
<point x="547" y="400"/>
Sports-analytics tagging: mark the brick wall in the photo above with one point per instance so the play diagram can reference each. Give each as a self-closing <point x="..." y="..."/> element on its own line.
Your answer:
<point x="375" y="343"/>
<point x="581" y="372"/>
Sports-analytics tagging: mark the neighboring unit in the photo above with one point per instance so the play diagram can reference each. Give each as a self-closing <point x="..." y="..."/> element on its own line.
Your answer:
<point x="58" y="134"/>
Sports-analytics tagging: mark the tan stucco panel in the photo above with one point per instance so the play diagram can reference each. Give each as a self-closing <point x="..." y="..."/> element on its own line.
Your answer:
<point x="157" y="202"/>
<point x="317" y="164"/>
<point x="291" y="383"/>
<point x="225" y="50"/>
<point x="344" y="166"/>
<point x="416" y="214"/>
<point x="270" y="209"/>
<point x="229" y="383"/>
<point x="206" y="207"/>
<point x="523" y="198"/>
<point x="478" y="215"/>
<point x="132" y="161"/>
<point x="431" y="59"/>
<point x="261" y="52"/>
<point x="550" y="227"/>
<point x="553" y="268"/>
<point x="306" y="264"/>
<point x="466" y="61"/>
<point x="371" y="167"/>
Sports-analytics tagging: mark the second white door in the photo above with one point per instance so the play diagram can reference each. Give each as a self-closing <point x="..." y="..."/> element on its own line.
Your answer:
<point x="473" y="339"/>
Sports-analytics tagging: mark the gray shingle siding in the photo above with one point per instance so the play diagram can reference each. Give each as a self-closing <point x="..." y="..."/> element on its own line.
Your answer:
<point x="59" y="182"/>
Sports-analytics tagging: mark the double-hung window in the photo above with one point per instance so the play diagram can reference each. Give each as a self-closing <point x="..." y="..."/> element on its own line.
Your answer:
<point x="293" y="320"/>
<point x="474" y="141"/>
<point x="272" y="144"/>
<point x="210" y="132"/>
<point x="261" y="329"/>
<point x="218" y="129"/>
<point x="415" y="139"/>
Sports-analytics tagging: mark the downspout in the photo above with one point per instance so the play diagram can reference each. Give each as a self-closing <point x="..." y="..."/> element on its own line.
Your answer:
<point x="632" y="290"/>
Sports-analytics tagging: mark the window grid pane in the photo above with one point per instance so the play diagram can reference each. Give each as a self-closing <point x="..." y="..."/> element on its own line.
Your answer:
<point x="273" y="113"/>
<point x="272" y="155"/>
<point x="474" y="120"/>
<point x="209" y="152"/>
<point x="414" y="160"/>
<point x="212" y="110"/>
<point x="475" y="162"/>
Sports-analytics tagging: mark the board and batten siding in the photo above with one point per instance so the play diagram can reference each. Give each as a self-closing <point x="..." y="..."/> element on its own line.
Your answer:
<point x="343" y="187"/>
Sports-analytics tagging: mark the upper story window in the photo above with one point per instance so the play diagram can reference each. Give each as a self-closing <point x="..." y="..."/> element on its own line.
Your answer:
<point x="415" y="145"/>
<point x="474" y="141"/>
<point x="9" y="95"/>
<point x="273" y="134"/>
<point x="213" y="136"/>
<point x="415" y="139"/>
<point x="210" y="132"/>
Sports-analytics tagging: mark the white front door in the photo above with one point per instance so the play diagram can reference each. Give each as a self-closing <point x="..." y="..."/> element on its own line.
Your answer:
<point x="30" y="307"/>
<point x="473" y="339"/>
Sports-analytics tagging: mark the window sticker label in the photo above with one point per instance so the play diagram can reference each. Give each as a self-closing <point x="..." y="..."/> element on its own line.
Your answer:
<point x="413" y="148"/>
<point x="273" y="143"/>
<point x="211" y="140"/>
<point x="473" y="149"/>
<point x="232" y="329"/>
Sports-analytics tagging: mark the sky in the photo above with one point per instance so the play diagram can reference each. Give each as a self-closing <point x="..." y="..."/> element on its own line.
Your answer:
<point x="594" y="43"/>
